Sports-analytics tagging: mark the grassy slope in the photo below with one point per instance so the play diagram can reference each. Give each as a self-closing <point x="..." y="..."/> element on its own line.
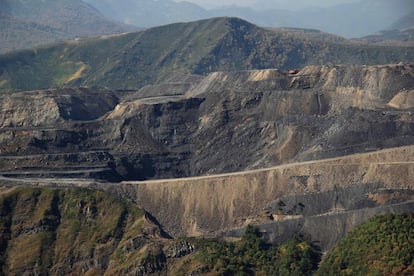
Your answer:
<point x="123" y="61"/>
<point x="136" y="59"/>
<point x="78" y="231"/>
<point x="68" y="231"/>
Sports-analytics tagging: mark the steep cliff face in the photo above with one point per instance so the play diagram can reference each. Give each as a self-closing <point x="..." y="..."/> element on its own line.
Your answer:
<point x="50" y="108"/>
<point x="72" y="231"/>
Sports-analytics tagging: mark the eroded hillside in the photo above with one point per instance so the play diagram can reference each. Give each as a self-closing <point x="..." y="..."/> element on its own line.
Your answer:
<point x="224" y="122"/>
<point x="358" y="116"/>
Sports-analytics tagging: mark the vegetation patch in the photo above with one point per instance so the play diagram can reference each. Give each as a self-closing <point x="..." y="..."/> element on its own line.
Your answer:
<point x="382" y="246"/>
<point x="253" y="256"/>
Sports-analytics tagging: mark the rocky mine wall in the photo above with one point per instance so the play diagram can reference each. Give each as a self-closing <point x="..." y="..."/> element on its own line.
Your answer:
<point x="224" y="122"/>
<point x="203" y="205"/>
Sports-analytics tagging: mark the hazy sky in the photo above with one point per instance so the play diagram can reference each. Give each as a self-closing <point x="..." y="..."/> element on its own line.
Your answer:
<point x="282" y="4"/>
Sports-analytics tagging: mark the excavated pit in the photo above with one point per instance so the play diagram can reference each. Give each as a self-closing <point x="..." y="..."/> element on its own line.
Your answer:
<point x="341" y="135"/>
<point x="224" y="122"/>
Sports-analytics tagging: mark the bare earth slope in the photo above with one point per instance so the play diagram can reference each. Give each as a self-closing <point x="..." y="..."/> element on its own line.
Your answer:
<point x="322" y="200"/>
<point x="300" y="193"/>
<point x="224" y="122"/>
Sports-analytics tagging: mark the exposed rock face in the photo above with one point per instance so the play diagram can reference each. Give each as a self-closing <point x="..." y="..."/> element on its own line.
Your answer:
<point x="195" y="206"/>
<point x="179" y="249"/>
<point x="325" y="217"/>
<point x="224" y="122"/>
<point x="51" y="108"/>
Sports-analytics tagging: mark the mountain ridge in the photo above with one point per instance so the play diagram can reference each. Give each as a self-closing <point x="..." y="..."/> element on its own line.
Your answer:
<point x="34" y="24"/>
<point x="400" y="32"/>
<point x="130" y="61"/>
<point x="211" y="126"/>
<point x="404" y="23"/>
<point x="369" y="16"/>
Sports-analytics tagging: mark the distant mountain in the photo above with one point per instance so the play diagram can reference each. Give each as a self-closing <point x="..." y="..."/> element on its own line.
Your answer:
<point x="406" y="22"/>
<point x="130" y="61"/>
<point x="350" y="20"/>
<point x="25" y="24"/>
<point x="354" y="19"/>
<point x="400" y="32"/>
<point x="149" y="13"/>
<point x="19" y="34"/>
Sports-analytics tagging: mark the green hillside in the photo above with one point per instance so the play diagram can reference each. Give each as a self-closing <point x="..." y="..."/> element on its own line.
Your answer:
<point x="133" y="60"/>
<point x="70" y="231"/>
<point x="73" y="17"/>
<point x="252" y="256"/>
<point x="382" y="246"/>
